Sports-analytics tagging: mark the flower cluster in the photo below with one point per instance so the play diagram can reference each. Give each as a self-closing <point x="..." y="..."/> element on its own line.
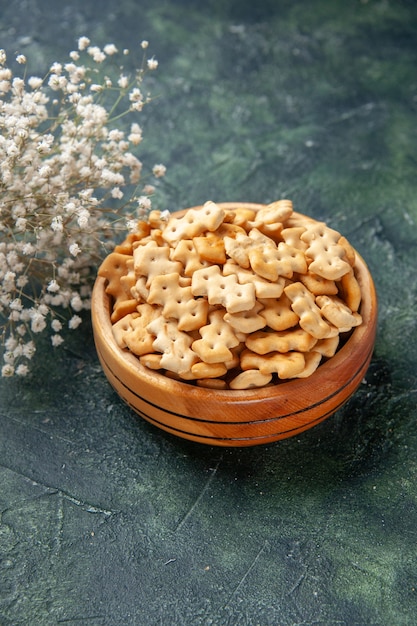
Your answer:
<point x="70" y="181"/>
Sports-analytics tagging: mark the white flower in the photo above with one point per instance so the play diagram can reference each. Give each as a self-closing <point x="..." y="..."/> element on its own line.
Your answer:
<point x="38" y="323"/>
<point x="7" y="370"/>
<point x="159" y="170"/>
<point x="144" y="44"/>
<point x="144" y="202"/>
<point x="135" y="136"/>
<point x="20" y="224"/>
<point x="57" y="224"/>
<point x="123" y="82"/>
<point x="74" y="249"/>
<point x="76" y="303"/>
<point x="74" y="322"/>
<point x="35" y="82"/>
<point x="83" y="43"/>
<point x="110" y="49"/>
<point x="16" y="304"/>
<point x="22" y="369"/>
<point x="96" y="54"/>
<point x="83" y="217"/>
<point x="117" y="193"/>
<point x="53" y="286"/>
<point x="56" y="340"/>
<point x="152" y="64"/>
<point x="63" y="191"/>
<point x="56" y="325"/>
<point x="29" y="350"/>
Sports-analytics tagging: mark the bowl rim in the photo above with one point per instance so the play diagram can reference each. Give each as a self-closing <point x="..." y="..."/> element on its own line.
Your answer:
<point x="362" y="335"/>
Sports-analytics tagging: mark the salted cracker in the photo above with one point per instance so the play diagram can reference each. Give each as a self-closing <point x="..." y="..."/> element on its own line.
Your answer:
<point x="225" y="290"/>
<point x="193" y="223"/>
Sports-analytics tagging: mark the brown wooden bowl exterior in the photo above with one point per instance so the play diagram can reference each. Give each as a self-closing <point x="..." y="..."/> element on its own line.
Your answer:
<point x="231" y="417"/>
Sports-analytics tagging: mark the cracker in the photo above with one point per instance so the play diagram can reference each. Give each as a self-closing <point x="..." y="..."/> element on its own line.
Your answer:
<point x="151" y="361"/>
<point x="178" y="302"/>
<point x="120" y="328"/>
<point x="318" y="285"/>
<point x="327" y="347"/>
<point x="312" y="361"/>
<point x="325" y="251"/>
<point x="338" y="313"/>
<point x="246" y="321"/>
<point x="152" y="260"/>
<point x="350" y="291"/>
<point x="237" y="249"/>
<point x="122" y="308"/>
<point x="210" y="248"/>
<point x="304" y="305"/>
<point x="271" y="261"/>
<point x="250" y="379"/>
<point x="224" y="290"/>
<point x="217" y="338"/>
<point x="114" y="266"/>
<point x="136" y="337"/>
<point x="284" y="365"/>
<point x="241" y="216"/>
<point x="350" y="254"/>
<point x="292" y="236"/>
<point x="278" y="211"/>
<point x="296" y="339"/>
<point x="193" y="223"/>
<point x="263" y="288"/>
<point x="278" y="314"/>
<point x="185" y="252"/>
<point x="174" y="346"/>
<point x="208" y="370"/>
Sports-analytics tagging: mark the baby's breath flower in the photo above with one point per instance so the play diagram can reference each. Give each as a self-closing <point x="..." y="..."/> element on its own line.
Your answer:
<point x="144" y="202"/>
<point x="57" y="340"/>
<point x="7" y="370"/>
<point x="35" y="82"/>
<point x="56" y="325"/>
<point x="152" y="64"/>
<point x="63" y="160"/>
<point x="97" y="54"/>
<point x="53" y="286"/>
<point x="57" y="223"/>
<point x="22" y="370"/>
<point x="117" y="193"/>
<point x="38" y="323"/>
<point x="135" y="136"/>
<point x="159" y="170"/>
<point x="83" y="43"/>
<point x="74" y="322"/>
<point x="123" y="82"/>
<point x="74" y="249"/>
<point x="110" y="49"/>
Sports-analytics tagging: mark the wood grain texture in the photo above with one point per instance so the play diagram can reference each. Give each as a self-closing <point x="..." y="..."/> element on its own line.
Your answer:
<point x="238" y="418"/>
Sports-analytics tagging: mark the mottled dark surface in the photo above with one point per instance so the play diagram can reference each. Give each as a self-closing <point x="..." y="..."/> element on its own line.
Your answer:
<point x="105" y="520"/>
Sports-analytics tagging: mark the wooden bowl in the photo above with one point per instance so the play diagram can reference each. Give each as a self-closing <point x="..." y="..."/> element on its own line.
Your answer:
<point x="230" y="417"/>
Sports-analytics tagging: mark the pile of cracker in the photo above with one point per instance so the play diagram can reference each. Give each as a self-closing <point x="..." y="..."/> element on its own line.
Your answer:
<point x="233" y="298"/>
